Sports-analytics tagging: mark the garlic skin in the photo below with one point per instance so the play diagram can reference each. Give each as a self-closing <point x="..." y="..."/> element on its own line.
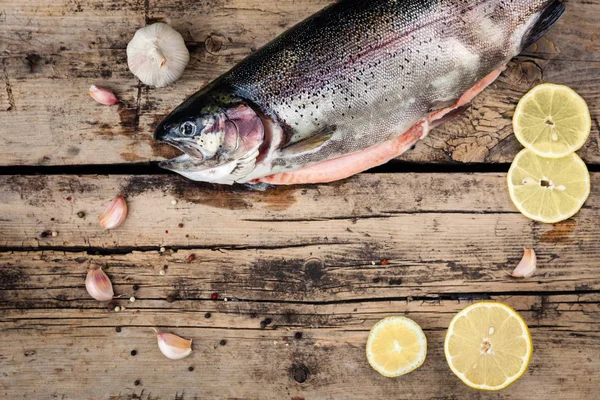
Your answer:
<point x="173" y="346"/>
<point x="157" y="55"/>
<point x="115" y="214"/>
<point x="103" y="96"/>
<point x="527" y="266"/>
<point x="98" y="285"/>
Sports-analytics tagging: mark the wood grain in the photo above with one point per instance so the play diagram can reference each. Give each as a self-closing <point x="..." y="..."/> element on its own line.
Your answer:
<point x="72" y="353"/>
<point x="327" y="261"/>
<point x="308" y="275"/>
<point x="406" y="213"/>
<point x="301" y="274"/>
<point x="50" y="52"/>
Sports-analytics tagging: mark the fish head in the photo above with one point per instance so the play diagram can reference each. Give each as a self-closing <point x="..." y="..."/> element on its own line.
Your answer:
<point x="220" y="135"/>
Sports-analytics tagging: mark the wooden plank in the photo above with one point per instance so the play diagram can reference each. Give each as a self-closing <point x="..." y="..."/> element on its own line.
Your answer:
<point x="72" y="353"/>
<point x="310" y="274"/>
<point x="52" y="51"/>
<point x="399" y="212"/>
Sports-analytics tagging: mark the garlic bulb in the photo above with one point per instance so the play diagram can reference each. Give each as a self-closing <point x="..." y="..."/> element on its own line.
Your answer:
<point x="115" y="214"/>
<point x="103" y="96"/>
<point x="173" y="346"/>
<point x="157" y="55"/>
<point x="527" y="266"/>
<point x="98" y="285"/>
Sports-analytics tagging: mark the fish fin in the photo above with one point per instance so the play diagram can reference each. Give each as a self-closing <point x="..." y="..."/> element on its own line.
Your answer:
<point x="242" y="169"/>
<point x="548" y="18"/>
<point x="246" y="164"/>
<point x="259" y="186"/>
<point x="351" y="164"/>
<point x="311" y="143"/>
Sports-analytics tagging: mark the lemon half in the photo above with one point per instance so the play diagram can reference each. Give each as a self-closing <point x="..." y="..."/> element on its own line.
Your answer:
<point x="552" y="121"/>
<point x="548" y="190"/>
<point x="488" y="346"/>
<point x="396" y="346"/>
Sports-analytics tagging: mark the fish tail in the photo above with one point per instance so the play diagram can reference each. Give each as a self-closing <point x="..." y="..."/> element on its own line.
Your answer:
<point x="547" y="19"/>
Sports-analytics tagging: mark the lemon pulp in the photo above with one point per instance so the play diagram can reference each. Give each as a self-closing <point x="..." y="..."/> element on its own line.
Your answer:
<point x="396" y="346"/>
<point x="548" y="190"/>
<point x="488" y="346"/>
<point x="552" y="121"/>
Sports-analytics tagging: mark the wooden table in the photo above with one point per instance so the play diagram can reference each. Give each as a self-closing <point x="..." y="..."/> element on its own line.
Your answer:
<point x="301" y="273"/>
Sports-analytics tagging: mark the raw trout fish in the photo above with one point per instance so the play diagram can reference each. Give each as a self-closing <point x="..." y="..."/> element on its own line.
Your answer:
<point x="348" y="89"/>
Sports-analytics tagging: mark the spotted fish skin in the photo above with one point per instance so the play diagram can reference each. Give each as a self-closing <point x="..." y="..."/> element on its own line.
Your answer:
<point x="360" y="73"/>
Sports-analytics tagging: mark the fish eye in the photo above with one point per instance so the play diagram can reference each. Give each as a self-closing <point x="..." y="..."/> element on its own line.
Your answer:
<point x="187" y="129"/>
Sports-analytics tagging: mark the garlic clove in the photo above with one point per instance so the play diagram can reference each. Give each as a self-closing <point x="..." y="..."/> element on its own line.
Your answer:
<point x="98" y="285"/>
<point x="103" y="96"/>
<point x="173" y="346"/>
<point x="115" y="213"/>
<point x="527" y="266"/>
<point x="157" y="55"/>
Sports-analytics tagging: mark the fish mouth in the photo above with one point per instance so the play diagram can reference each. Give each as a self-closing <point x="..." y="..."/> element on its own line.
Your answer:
<point x="185" y="162"/>
<point x="200" y="172"/>
<point x="187" y="147"/>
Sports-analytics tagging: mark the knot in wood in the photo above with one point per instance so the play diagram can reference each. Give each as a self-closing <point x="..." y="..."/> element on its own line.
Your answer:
<point x="300" y="373"/>
<point x="213" y="44"/>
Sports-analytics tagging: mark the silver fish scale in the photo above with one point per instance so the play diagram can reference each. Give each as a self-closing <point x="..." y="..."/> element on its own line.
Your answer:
<point x="369" y="70"/>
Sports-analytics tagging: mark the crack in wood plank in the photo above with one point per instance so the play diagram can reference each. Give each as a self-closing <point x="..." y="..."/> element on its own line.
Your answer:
<point x="9" y="93"/>
<point x="138" y="108"/>
<point x="147" y="11"/>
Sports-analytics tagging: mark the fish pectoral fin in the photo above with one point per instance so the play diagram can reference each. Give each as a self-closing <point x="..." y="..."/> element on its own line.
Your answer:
<point x="311" y="143"/>
<point x="246" y="164"/>
<point x="351" y="164"/>
<point x="259" y="186"/>
<point x="242" y="169"/>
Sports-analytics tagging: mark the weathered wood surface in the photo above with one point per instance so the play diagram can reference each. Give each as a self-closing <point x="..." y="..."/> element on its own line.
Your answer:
<point x="322" y="263"/>
<point x="79" y="349"/>
<point x="327" y="261"/>
<point x="404" y="212"/>
<point x="50" y="52"/>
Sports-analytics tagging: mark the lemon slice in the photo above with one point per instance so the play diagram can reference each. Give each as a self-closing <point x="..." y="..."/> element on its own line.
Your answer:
<point x="548" y="190"/>
<point x="488" y="346"/>
<point x="396" y="346"/>
<point x="552" y="121"/>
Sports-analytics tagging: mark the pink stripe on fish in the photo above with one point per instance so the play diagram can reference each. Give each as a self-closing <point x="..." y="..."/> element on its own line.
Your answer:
<point x="346" y="166"/>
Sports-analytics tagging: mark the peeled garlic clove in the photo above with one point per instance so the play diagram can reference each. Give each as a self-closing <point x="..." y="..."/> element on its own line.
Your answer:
<point x="527" y="266"/>
<point x="103" y="96"/>
<point x="173" y="346"/>
<point x="115" y="214"/>
<point x="98" y="285"/>
<point x="157" y="55"/>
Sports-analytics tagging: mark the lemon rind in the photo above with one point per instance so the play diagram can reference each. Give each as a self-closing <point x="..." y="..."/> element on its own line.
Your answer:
<point x="413" y="326"/>
<point x="538" y="218"/>
<point x="578" y="145"/>
<point x="510" y="380"/>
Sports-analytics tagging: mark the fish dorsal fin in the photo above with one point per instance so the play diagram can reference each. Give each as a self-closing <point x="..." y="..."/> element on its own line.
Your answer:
<point x="311" y="143"/>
